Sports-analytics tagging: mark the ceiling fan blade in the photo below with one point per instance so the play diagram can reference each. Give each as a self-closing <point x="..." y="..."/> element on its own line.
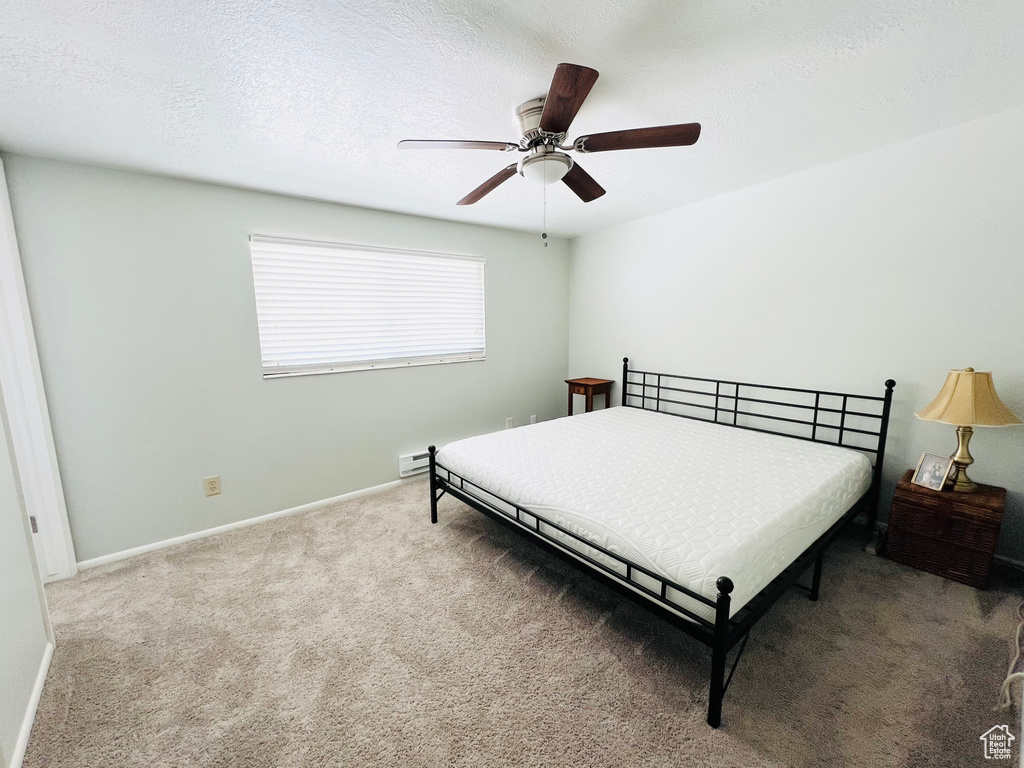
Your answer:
<point x="582" y="183"/>
<point x="500" y="146"/>
<point x="488" y="186"/>
<point x="640" y="138"/>
<point x="569" y="88"/>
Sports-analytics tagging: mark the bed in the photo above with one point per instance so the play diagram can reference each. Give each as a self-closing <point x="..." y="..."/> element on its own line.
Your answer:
<point x="702" y="499"/>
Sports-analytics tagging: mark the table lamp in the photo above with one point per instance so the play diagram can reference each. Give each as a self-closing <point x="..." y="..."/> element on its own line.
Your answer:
<point x="968" y="398"/>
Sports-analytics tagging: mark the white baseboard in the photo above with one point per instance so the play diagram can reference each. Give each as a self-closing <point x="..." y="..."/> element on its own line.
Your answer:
<point x="114" y="557"/>
<point x="30" y="714"/>
<point x="1010" y="562"/>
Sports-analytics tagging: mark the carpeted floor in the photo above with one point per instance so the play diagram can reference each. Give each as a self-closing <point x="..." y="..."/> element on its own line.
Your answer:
<point x="360" y="635"/>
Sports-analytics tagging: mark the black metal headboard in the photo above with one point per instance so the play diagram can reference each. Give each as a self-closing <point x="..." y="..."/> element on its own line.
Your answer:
<point x="860" y="422"/>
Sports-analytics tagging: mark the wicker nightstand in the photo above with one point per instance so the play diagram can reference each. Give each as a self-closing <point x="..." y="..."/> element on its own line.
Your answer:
<point x="944" y="532"/>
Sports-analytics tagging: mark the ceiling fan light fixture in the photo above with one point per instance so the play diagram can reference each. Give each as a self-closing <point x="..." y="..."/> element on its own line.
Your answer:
<point x="544" y="123"/>
<point x="545" y="168"/>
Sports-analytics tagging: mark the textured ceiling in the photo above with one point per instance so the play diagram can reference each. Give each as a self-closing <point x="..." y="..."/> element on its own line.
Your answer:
<point x="309" y="97"/>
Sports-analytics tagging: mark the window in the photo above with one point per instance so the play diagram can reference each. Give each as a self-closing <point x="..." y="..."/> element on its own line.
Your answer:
<point x="326" y="307"/>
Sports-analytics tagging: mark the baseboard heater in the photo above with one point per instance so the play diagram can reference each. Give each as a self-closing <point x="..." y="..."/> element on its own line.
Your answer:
<point x="413" y="463"/>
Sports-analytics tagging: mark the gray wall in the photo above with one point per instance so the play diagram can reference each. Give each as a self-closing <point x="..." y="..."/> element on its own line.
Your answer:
<point x="904" y="263"/>
<point x="141" y="294"/>
<point x="23" y="629"/>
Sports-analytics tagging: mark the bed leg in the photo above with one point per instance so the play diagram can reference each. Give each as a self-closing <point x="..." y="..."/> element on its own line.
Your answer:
<point x="718" y="651"/>
<point x="819" y="561"/>
<point x="433" y="484"/>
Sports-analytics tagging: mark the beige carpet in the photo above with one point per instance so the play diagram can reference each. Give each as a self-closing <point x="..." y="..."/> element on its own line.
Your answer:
<point x="360" y="635"/>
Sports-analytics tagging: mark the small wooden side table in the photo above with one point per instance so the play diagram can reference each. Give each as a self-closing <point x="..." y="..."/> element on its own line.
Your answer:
<point x="589" y="388"/>
<point x="947" y="533"/>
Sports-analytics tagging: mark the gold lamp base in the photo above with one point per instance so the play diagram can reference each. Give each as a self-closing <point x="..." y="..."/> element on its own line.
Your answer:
<point x="961" y="460"/>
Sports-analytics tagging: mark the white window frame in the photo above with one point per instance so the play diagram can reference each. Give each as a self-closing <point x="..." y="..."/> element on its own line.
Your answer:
<point x="280" y="370"/>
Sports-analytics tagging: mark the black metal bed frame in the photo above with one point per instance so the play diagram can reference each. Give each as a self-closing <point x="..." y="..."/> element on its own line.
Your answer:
<point x="729" y="403"/>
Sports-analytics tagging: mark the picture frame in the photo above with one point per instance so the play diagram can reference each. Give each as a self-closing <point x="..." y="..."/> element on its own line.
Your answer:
<point x="932" y="471"/>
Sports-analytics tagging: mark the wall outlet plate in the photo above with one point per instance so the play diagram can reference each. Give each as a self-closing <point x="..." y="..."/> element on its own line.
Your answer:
<point x="533" y="419"/>
<point x="509" y="423"/>
<point x="211" y="485"/>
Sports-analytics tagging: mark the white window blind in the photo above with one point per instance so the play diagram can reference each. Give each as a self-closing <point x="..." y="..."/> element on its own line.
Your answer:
<point x="326" y="307"/>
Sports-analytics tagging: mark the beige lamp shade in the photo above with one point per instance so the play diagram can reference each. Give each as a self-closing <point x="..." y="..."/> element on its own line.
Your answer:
<point x="968" y="398"/>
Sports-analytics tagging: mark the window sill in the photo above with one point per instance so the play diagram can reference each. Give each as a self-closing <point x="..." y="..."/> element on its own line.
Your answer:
<point x="409" y="362"/>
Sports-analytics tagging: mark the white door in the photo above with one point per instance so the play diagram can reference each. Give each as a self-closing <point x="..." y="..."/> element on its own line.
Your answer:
<point x="21" y="385"/>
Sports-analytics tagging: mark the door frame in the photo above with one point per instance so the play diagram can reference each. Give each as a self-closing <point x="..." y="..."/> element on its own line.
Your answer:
<point x="27" y="413"/>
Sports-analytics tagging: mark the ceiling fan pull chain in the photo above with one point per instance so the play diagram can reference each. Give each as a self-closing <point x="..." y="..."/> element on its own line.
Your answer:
<point x="544" y="226"/>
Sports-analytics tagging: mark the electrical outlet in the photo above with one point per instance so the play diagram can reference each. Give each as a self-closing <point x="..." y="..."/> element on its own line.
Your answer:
<point x="212" y="485"/>
<point x="508" y="423"/>
<point x="533" y="419"/>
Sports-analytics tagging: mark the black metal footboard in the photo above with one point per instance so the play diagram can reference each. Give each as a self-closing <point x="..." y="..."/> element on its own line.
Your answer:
<point x="721" y="634"/>
<point x="676" y="604"/>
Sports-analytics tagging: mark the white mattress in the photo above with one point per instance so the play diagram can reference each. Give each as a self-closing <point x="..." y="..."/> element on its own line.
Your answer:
<point x="689" y="500"/>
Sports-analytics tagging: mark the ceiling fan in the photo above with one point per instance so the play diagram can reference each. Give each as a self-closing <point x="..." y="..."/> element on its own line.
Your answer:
<point x="544" y="122"/>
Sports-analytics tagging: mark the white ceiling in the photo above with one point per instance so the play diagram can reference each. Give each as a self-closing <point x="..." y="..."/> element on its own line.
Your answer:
<point x="310" y="97"/>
